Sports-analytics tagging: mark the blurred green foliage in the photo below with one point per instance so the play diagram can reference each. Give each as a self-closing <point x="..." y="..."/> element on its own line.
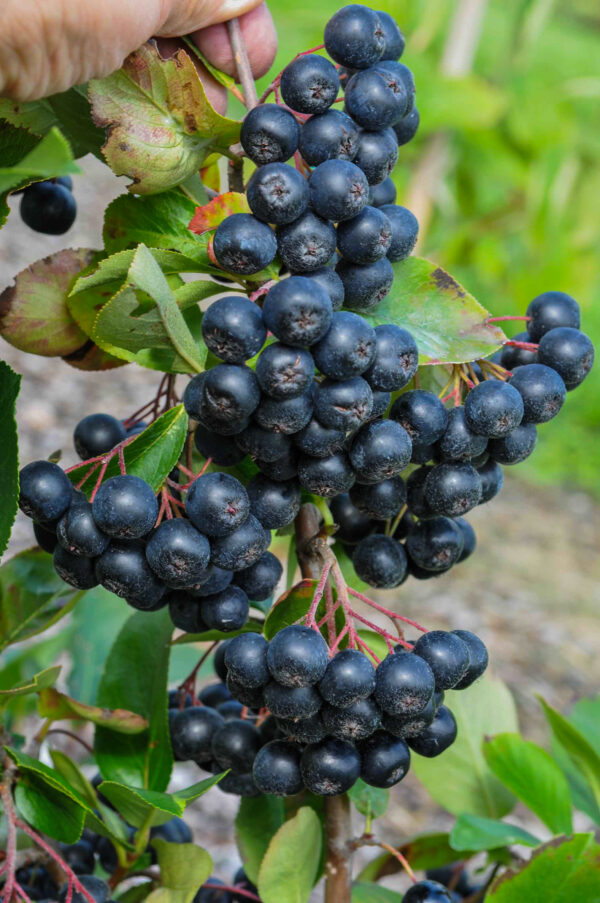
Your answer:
<point x="517" y="211"/>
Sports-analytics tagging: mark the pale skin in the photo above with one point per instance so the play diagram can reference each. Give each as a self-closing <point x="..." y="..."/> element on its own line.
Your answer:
<point x="47" y="46"/>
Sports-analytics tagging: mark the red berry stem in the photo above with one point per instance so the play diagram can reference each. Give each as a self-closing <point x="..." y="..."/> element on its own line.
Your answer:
<point x="503" y="319"/>
<point x="234" y="889"/>
<point x="528" y="346"/>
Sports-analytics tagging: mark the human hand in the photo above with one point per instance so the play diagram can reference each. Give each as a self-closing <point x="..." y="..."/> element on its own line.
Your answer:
<point x="50" y="46"/>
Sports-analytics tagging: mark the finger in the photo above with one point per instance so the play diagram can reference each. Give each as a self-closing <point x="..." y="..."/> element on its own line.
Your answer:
<point x="259" y="36"/>
<point x="216" y="93"/>
<point x="185" y="16"/>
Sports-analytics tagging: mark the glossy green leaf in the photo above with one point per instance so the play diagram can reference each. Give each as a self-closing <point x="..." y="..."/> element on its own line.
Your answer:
<point x="461" y="780"/>
<point x="561" y="871"/>
<point x="38" y="682"/>
<point x="9" y="473"/>
<point x="15" y="143"/>
<point x="258" y="820"/>
<point x="158" y="221"/>
<point x="448" y="324"/>
<point x="290" y="607"/>
<point x="533" y="776"/>
<point x="49" y="158"/>
<point x="211" y="636"/>
<point x="371" y="802"/>
<point x="585" y="716"/>
<point x="135" y="678"/>
<point x="365" y="892"/>
<point x="141" y="807"/>
<point x="290" y="866"/>
<point x="48" y="809"/>
<point x="32" y="596"/>
<point x="58" y="706"/>
<point x="73" y="774"/>
<point x="194" y="791"/>
<point x="34" y="315"/>
<point x="36" y="116"/>
<point x="184" y="867"/>
<point x="474" y="832"/>
<point x="582" y="753"/>
<point x="161" y="124"/>
<point x="72" y="109"/>
<point x="152" y="455"/>
<point x="111" y="271"/>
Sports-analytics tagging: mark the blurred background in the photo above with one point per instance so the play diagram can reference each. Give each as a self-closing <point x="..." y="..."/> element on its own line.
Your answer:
<point x="503" y="176"/>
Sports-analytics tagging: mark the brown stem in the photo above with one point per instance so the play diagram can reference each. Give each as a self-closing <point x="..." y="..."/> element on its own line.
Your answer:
<point x="242" y="63"/>
<point x="310" y="548"/>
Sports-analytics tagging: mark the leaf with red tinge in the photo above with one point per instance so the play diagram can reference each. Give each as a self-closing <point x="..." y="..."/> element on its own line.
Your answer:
<point x="212" y="214"/>
<point x="161" y="126"/>
<point x="34" y="315"/>
<point x="58" y="706"/>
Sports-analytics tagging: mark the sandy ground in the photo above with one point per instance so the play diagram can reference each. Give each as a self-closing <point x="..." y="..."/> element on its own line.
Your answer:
<point x="531" y="590"/>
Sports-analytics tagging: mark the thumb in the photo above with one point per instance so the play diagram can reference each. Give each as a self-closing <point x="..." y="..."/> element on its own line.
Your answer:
<point x="186" y="16"/>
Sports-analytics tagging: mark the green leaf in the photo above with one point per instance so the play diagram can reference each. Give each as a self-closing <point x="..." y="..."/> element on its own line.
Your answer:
<point x="365" y="892"/>
<point x="161" y="124"/>
<point x="184" y="867"/>
<point x="51" y="157"/>
<point x="146" y="275"/>
<point x="258" y="820"/>
<point x="290" y="607"/>
<point x="585" y="716"/>
<point x="35" y="116"/>
<point x="211" y="636"/>
<point x="72" y="108"/>
<point x="465" y="783"/>
<point x="58" y="706"/>
<point x="32" y="596"/>
<point x="34" y="315"/>
<point x="75" y="777"/>
<point x="111" y="271"/>
<point x="371" y="802"/>
<point x="290" y="866"/>
<point x="189" y="794"/>
<point x="158" y="221"/>
<point x="96" y="621"/>
<point x="134" y="894"/>
<point x="561" y="871"/>
<point x="14" y="144"/>
<point x="473" y="832"/>
<point x="48" y="809"/>
<point x="533" y="776"/>
<point x="152" y="455"/>
<point x="135" y="678"/>
<point x="582" y="753"/>
<point x="423" y="851"/>
<point x="45" y="678"/>
<point x="10" y="383"/>
<point x="448" y="324"/>
<point x="137" y="805"/>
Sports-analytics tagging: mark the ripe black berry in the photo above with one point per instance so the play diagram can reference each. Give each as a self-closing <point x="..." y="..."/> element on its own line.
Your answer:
<point x="124" y="570"/>
<point x="214" y="694"/>
<point x="409" y="725"/>
<point x="184" y="611"/>
<point x="351" y="523"/>
<point x="235" y="745"/>
<point x="309" y="84"/>
<point x="396" y="359"/>
<point x="347" y="348"/>
<point x="436" y="738"/>
<point x="435" y="544"/>
<point x="319" y="441"/>
<point x="192" y="730"/>
<point x="427" y="892"/>
<point x="376" y="97"/>
<point x="78" y="533"/>
<point x="459" y="442"/>
<point x="512" y="357"/>
<point x="297" y="656"/>
<point x="493" y="408"/>
<point x="327" y="476"/>
<point x="338" y="190"/>
<point x="260" y="579"/>
<point x="217" y="504"/>
<point x="277" y="193"/>
<point x="384" y="193"/>
<point x="343" y="405"/>
<point x="492" y="480"/>
<point x="284" y="372"/>
<point x="242" y="548"/>
<point x="407" y="127"/>
<point x="542" y="390"/>
<point x="96" y="887"/>
<point x="74" y="569"/>
<point x="308" y="730"/>
<point x="452" y="489"/>
<point x="276" y="769"/>
<point x="291" y="702"/>
<point x="404" y="684"/>
<point x="216" y="580"/>
<point x="45" y="491"/>
<point x="354" y="722"/>
<point x="380" y="501"/>
<point x="516" y="446"/>
<point x="297" y="311"/>
<point x="468" y="535"/>
<point x="263" y="445"/>
<point x="45" y="538"/>
<point x="392" y="36"/>
<point x="331" y="136"/>
<point x="233" y="329"/>
<point x="223" y="450"/>
<point x="285" y="415"/>
<point x="242" y="244"/>
<point x="447" y="656"/>
<point x="422" y="415"/>
<point x="306" y="244"/>
<point x="478" y="658"/>
<point x="384" y="759"/>
<point x="349" y="677"/>
<point x="377" y="154"/>
<point x="550" y="310"/>
<point x="365" y="238"/>
<point x="569" y="352"/>
<point x="246" y="660"/>
<point x="125" y="507"/>
<point x="332" y="284"/>
<point x="379" y="451"/>
<point x="231" y="392"/>
<point x="269" y="134"/>
<point x="96" y="434"/>
<point x="365" y="286"/>
<point x="48" y="207"/>
<point x="284" y="467"/>
<point x="274" y="503"/>
<point x="178" y="553"/>
<point x="354" y="37"/>
<point x="380" y="561"/>
<point x="330" y="767"/>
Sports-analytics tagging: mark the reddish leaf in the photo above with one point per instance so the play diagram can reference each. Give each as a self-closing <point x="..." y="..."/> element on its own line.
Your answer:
<point x="208" y="217"/>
